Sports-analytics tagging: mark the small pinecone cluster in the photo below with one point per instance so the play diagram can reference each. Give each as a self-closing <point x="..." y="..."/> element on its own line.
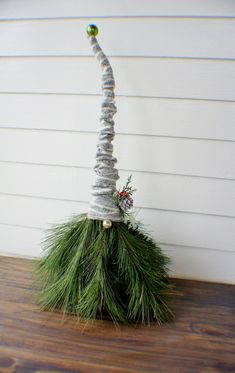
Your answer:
<point x="123" y="198"/>
<point x="126" y="203"/>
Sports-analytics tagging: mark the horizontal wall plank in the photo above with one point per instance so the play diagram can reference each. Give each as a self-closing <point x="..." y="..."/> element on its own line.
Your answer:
<point x="160" y="37"/>
<point x="160" y="117"/>
<point x="195" y="79"/>
<point x="178" y="156"/>
<point x="169" y="192"/>
<point x="195" y="264"/>
<point x="20" y="241"/>
<point x="79" y="8"/>
<point x="174" y="228"/>
<point x="187" y="262"/>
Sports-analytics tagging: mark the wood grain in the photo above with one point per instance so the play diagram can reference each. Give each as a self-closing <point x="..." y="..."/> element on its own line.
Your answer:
<point x="202" y="338"/>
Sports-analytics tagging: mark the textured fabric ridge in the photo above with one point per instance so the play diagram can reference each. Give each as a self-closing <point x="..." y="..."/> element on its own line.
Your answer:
<point x="102" y="206"/>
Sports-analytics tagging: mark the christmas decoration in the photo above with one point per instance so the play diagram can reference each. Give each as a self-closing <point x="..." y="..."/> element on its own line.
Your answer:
<point x="123" y="198"/>
<point x="107" y="224"/>
<point x="99" y="264"/>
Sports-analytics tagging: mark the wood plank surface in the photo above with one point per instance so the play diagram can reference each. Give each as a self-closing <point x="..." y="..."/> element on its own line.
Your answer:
<point x="154" y="190"/>
<point x="202" y="338"/>
<point x="141" y="76"/>
<point x="183" y="37"/>
<point x="112" y="8"/>
<point x="152" y="117"/>
<point x="165" y="226"/>
<point x="148" y="154"/>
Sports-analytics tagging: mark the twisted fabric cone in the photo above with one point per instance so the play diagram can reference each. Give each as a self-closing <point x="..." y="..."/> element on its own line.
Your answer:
<point x="102" y="206"/>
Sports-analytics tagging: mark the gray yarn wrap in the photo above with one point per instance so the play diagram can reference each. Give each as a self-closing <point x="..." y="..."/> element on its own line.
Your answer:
<point x="102" y="206"/>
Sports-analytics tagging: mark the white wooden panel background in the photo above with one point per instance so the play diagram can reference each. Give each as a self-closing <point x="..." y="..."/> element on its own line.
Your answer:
<point x="175" y="76"/>
<point x="111" y="8"/>
<point x="62" y="112"/>
<point x="162" y="37"/>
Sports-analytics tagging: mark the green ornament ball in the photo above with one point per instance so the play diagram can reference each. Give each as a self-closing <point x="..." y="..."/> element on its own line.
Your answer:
<point x="92" y="30"/>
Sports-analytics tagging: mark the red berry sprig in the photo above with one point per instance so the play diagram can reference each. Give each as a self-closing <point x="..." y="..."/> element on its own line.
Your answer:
<point x="123" y="197"/>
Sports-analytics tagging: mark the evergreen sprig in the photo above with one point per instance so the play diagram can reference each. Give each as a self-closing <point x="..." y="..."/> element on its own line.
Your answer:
<point x="120" y="195"/>
<point x="94" y="272"/>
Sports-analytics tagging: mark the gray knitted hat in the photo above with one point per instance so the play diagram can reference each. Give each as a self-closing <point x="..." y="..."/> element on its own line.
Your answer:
<point x="102" y="205"/>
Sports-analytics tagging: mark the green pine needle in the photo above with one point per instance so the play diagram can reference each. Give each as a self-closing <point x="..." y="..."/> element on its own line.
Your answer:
<point x="95" y="272"/>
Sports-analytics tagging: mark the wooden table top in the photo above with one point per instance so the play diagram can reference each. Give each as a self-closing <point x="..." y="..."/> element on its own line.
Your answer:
<point x="201" y="339"/>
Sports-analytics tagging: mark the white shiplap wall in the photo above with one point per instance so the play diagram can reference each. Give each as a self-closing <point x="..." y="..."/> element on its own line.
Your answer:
<point x="174" y="63"/>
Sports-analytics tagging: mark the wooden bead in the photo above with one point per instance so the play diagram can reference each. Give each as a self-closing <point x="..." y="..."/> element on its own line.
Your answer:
<point x="107" y="224"/>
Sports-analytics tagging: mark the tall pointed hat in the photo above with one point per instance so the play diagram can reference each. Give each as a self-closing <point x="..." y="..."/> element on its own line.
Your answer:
<point x="99" y="264"/>
<point x="102" y="206"/>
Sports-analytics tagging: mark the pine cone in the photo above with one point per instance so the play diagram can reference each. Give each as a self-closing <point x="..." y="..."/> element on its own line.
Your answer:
<point x="126" y="203"/>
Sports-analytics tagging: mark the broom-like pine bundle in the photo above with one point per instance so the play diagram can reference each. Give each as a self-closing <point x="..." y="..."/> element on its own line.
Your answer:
<point x="100" y="264"/>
